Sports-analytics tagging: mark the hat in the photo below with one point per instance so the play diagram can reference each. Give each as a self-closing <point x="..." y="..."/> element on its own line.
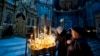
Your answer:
<point x="81" y="31"/>
<point x="60" y="28"/>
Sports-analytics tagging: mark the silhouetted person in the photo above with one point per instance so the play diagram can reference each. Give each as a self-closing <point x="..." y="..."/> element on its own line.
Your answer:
<point x="62" y="38"/>
<point x="78" y="45"/>
<point x="8" y="31"/>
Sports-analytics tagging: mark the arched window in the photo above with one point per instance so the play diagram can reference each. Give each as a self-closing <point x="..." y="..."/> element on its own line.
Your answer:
<point x="8" y="19"/>
<point x="28" y="21"/>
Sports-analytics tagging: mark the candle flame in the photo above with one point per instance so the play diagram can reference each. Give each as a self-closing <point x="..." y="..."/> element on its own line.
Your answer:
<point x="44" y="41"/>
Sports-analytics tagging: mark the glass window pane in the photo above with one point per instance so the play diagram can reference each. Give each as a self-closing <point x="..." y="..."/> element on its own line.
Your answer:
<point x="28" y="21"/>
<point x="8" y="19"/>
<point x="33" y="22"/>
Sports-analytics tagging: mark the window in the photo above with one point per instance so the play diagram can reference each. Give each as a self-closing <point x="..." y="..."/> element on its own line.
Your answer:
<point x="32" y="22"/>
<point x="30" y="4"/>
<point x="28" y="21"/>
<point x="8" y="19"/>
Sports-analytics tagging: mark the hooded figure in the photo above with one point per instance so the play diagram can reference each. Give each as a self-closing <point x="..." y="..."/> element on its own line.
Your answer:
<point x="62" y="38"/>
<point x="78" y="45"/>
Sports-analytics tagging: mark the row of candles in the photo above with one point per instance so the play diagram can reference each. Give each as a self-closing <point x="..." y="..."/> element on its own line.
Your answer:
<point x="42" y="40"/>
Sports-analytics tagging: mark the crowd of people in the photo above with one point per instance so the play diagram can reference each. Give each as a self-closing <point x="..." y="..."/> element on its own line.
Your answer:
<point x="73" y="42"/>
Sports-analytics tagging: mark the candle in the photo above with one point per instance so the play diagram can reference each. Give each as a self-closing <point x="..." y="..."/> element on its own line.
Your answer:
<point x="37" y="26"/>
<point x="50" y="29"/>
<point x="44" y="29"/>
<point x="34" y="32"/>
<point x="31" y="38"/>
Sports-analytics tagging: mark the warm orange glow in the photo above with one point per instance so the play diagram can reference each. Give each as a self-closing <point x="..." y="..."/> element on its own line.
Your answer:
<point x="44" y="41"/>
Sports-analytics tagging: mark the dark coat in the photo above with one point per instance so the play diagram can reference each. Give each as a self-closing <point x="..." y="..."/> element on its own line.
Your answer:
<point x="79" y="47"/>
<point x="62" y="38"/>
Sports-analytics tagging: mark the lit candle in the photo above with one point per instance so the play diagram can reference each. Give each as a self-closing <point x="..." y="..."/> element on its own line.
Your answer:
<point x="31" y="38"/>
<point x="44" y="29"/>
<point x="34" y="32"/>
<point x="50" y="29"/>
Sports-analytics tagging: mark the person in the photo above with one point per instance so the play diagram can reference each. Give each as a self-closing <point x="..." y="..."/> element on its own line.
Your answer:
<point x="8" y="31"/>
<point x="78" y="45"/>
<point x="62" y="38"/>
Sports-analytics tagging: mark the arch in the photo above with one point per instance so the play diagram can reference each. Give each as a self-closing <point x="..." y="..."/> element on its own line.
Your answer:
<point x="8" y="18"/>
<point x="21" y="10"/>
<point x="20" y="14"/>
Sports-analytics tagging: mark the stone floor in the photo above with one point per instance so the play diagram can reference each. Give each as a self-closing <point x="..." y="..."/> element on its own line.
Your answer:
<point x="95" y="46"/>
<point x="12" y="47"/>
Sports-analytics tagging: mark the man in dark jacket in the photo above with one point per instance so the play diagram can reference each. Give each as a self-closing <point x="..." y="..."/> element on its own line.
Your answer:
<point x="62" y="38"/>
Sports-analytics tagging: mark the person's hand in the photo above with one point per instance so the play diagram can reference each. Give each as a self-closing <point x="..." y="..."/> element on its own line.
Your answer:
<point x="69" y="41"/>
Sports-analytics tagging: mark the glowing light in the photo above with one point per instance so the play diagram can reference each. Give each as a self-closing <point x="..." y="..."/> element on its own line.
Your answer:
<point x="88" y="31"/>
<point x="94" y="30"/>
<point x="44" y="41"/>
